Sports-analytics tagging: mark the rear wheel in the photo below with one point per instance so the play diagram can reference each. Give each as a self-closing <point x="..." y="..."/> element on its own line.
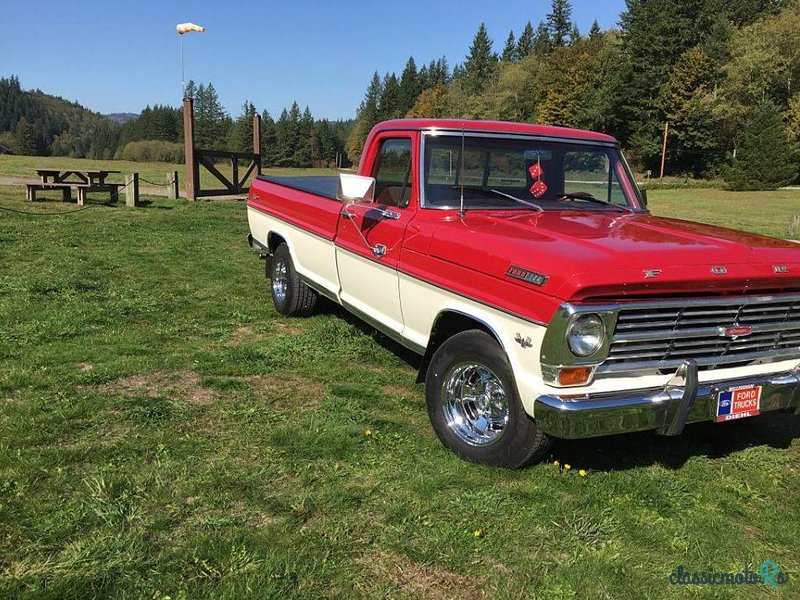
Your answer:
<point x="474" y="406"/>
<point x="291" y="297"/>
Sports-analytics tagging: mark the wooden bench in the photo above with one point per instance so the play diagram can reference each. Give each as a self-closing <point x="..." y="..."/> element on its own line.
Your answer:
<point x="111" y="188"/>
<point x="37" y="186"/>
<point x="66" y="190"/>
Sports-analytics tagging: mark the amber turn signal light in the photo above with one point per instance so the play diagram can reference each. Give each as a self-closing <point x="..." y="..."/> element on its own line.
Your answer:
<point x="574" y="375"/>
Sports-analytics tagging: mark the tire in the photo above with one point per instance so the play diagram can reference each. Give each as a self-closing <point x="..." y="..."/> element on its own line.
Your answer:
<point x="472" y="363"/>
<point x="291" y="297"/>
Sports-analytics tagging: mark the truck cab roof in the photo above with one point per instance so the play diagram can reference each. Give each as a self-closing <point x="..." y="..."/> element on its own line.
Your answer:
<point x="493" y="127"/>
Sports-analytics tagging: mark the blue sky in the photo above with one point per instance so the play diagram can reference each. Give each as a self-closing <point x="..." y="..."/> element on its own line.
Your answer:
<point x="119" y="56"/>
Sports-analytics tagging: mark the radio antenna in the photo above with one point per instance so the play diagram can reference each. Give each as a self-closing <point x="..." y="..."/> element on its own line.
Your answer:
<point x="461" y="172"/>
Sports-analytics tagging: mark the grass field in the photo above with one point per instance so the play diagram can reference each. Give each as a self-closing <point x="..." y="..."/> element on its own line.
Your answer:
<point x="24" y="167"/>
<point x="165" y="434"/>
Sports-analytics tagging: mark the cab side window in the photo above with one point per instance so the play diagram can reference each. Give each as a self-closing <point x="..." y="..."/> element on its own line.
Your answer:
<point x="392" y="173"/>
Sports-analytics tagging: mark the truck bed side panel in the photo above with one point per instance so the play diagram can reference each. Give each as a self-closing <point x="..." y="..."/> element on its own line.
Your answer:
<point x="307" y="222"/>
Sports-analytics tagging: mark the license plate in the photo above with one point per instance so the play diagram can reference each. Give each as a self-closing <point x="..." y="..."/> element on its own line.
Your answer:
<point x="738" y="402"/>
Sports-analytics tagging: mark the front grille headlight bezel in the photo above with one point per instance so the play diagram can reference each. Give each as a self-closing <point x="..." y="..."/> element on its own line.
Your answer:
<point x="586" y="334"/>
<point x="556" y="351"/>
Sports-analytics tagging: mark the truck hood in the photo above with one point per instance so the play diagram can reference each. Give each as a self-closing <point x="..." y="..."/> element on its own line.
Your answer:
<point x="611" y="255"/>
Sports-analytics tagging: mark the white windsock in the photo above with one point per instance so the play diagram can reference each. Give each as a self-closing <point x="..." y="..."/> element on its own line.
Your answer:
<point x="182" y="28"/>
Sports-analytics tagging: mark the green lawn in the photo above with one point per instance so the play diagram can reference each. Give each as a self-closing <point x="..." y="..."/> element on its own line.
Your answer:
<point x="25" y="167"/>
<point x="164" y="433"/>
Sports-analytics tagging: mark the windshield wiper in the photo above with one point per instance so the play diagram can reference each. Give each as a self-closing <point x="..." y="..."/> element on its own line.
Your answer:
<point x="476" y="188"/>
<point x="590" y="198"/>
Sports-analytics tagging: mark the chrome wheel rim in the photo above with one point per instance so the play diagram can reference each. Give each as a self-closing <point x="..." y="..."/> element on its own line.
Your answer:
<point x="475" y="404"/>
<point x="279" y="281"/>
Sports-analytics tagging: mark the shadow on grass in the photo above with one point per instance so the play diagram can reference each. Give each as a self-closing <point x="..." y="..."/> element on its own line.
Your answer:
<point x="712" y="440"/>
<point x="328" y="307"/>
<point x="152" y="204"/>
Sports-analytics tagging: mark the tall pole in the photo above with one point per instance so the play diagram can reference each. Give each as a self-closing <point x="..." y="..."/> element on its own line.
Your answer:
<point x="664" y="151"/>
<point x="257" y="140"/>
<point x="192" y="179"/>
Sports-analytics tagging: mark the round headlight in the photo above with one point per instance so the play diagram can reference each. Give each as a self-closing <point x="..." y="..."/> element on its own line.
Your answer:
<point x="585" y="335"/>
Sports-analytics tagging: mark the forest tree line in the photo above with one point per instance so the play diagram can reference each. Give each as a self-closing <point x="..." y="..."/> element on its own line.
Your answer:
<point x="725" y="74"/>
<point x="34" y="123"/>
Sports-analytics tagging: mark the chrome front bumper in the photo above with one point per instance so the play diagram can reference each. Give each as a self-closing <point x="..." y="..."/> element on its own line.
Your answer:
<point x="665" y="410"/>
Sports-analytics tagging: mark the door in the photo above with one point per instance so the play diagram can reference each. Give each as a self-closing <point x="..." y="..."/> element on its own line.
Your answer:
<point x="370" y="236"/>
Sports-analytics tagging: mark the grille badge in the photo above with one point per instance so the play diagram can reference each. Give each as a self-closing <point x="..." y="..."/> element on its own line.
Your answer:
<point x="736" y="331"/>
<point x="720" y="270"/>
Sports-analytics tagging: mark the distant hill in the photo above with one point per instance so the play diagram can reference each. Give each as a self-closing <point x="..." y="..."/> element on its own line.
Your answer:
<point x="121" y="118"/>
<point x="35" y="123"/>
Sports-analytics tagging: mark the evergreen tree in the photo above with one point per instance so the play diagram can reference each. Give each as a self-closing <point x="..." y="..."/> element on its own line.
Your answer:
<point x="542" y="43"/>
<point x="269" y="150"/>
<point x="389" y="101"/>
<point x="190" y="91"/>
<point x="766" y="159"/>
<point x="526" y="42"/>
<point x="559" y="22"/>
<point x="510" y="49"/>
<point x="26" y="140"/>
<point x="241" y="136"/>
<point x="211" y="120"/>
<point x="480" y="65"/>
<point x="410" y="87"/>
<point x="368" y="112"/>
<point x="594" y="31"/>
<point x="575" y="34"/>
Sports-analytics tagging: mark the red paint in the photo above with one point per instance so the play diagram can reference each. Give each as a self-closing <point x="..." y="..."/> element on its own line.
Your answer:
<point x="587" y="256"/>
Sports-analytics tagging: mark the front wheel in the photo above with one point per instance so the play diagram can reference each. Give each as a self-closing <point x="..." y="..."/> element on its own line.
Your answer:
<point x="474" y="406"/>
<point x="291" y="297"/>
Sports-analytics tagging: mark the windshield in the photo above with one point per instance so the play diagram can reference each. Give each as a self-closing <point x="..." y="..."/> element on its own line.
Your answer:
<point x="502" y="172"/>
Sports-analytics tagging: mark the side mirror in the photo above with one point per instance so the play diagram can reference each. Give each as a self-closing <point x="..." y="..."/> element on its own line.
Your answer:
<point x="355" y="188"/>
<point x="644" y="198"/>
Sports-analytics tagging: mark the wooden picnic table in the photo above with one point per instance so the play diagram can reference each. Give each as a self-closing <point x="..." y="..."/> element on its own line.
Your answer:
<point x="65" y="179"/>
<point x="75" y="176"/>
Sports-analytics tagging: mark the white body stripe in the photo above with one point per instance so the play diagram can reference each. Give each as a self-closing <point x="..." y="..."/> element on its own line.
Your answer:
<point x="371" y="288"/>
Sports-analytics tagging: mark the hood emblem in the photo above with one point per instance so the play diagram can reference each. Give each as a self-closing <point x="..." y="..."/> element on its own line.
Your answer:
<point x="779" y="269"/>
<point x="736" y="331"/>
<point x="650" y="273"/>
<point x="720" y="270"/>
<point x="526" y="275"/>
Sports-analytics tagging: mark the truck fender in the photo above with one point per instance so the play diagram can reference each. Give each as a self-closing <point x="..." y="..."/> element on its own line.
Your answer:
<point x="448" y="323"/>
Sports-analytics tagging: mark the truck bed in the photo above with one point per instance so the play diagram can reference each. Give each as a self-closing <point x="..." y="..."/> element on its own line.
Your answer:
<point x="321" y="185"/>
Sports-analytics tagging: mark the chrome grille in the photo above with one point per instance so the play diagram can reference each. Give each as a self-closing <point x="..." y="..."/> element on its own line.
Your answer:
<point x="662" y="335"/>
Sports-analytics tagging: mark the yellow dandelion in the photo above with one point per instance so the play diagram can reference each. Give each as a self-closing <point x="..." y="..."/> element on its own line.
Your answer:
<point x="567" y="467"/>
<point x="582" y="473"/>
<point x="477" y="533"/>
<point x="368" y="432"/>
<point x="556" y="464"/>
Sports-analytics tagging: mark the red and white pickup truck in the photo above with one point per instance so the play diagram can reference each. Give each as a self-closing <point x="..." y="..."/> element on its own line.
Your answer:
<point x="522" y="264"/>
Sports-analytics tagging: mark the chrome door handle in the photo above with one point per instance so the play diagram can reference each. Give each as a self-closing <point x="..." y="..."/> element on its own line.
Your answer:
<point x="388" y="214"/>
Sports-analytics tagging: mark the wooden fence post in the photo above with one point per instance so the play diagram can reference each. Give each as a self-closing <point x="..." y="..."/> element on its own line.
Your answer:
<point x="257" y="140"/>
<point x="132" y="189"/>
<point x="192" y="176"/>
<point x="172" y="185"/>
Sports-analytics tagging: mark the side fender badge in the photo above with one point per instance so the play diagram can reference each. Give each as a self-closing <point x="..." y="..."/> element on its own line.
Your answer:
<point x="525" y="275"/>
<point x="525" y="343"/>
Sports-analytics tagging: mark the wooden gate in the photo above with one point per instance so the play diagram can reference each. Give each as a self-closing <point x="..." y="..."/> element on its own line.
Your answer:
<point x="197" y="157"/>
